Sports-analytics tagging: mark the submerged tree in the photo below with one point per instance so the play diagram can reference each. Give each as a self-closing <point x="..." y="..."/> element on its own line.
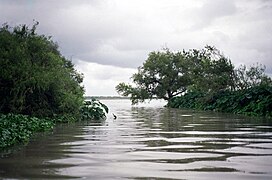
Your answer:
<point x="167" y="74"/>
<point x="35" y="79"/>
<point x="163" y="76"/>
<point x="210" y="71"/>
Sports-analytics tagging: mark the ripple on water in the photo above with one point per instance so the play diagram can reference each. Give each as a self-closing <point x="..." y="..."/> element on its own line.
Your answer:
<point x="246" y="150"/>
<point x="147" y="156"/>
<point x="178" y="146"/>
<point x="252" y="164"/>
<point x="191" y="139"/>
<point x="260" y="145"/>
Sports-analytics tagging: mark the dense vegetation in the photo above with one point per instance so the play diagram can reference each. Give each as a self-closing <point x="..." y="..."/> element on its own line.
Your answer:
<point x="38" y="86"/>
<point x="16" y="129"/>
<point x="35" y="78"/>
<point x="201" y="79"/>
<point x="255" y="101"/>
<point x="252" y="95"/>
<point x="167" y="74"/>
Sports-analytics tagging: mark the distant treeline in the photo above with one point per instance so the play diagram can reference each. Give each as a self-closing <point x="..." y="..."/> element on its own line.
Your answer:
<point x="105" y="97"/>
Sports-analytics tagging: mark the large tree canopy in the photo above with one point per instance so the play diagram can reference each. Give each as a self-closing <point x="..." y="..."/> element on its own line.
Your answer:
<point x="167" y="74"/>
<point x="35" y="79"/>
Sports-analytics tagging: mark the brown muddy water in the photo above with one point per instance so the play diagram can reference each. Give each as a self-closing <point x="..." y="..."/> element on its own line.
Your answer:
<point x="147" y="142"/>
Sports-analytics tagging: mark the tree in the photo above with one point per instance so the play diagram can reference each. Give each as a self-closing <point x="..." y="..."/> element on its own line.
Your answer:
<point x="253" y="76"/>
<point x="162" y="76"/>
<point x="210" y="71"/>
<point x="167" y="74"/>
<point x="35" y="79"/>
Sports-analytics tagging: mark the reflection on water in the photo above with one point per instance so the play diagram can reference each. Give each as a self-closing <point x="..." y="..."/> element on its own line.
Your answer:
<point x="148" y="142"/>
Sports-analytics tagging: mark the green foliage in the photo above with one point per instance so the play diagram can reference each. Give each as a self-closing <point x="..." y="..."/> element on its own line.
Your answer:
<point x="209" y="70"/>
<point x="201" y="79"/>
<point x="35" y="79"/>
<point x="167" y="74"/>
<point x="94" y="110"/>
<point x="250" y="95"/>
<point x="251" y="77"/>
<point x="255" y="101"/>
<point x="16" y="129"/>
<point x="192" y="100"/>
<point x="136" y="94"/>
<point x="159" y="77"/>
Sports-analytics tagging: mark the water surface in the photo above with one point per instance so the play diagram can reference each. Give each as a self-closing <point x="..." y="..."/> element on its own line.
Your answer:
<point x="148" y="142"/>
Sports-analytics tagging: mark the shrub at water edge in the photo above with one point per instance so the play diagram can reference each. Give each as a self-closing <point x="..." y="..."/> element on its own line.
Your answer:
<point x="94" y="110"/>
<point x="256" y="101"/>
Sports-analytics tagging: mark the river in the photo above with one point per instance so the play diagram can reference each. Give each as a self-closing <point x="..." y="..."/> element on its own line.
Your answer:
<point x="147" y="141"/>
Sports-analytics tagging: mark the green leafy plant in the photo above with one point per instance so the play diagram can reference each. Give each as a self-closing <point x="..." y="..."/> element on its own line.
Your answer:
<point x="16" y="129"/>
<point x="94" y="110"/>
<point x="255" y="101"/>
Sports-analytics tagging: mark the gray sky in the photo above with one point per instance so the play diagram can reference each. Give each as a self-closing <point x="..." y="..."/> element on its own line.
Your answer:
<point x="109" y="39"/>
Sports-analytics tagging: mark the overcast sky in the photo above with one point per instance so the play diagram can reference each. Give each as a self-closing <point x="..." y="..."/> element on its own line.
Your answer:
<point x="109" y="39"/>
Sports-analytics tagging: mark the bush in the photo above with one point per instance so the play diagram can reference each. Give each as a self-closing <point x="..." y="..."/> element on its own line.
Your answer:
<point x="94" y="110"/>
<point x="190" y="100"/>
<point x="35" y="79"/>
<point x="256" y="101"/>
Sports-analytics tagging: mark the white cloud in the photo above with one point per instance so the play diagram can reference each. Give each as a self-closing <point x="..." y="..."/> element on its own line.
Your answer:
<point x="101" y="80"/>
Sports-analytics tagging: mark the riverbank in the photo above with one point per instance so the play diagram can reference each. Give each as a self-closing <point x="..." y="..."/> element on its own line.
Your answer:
<point x="256" y="101"/>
